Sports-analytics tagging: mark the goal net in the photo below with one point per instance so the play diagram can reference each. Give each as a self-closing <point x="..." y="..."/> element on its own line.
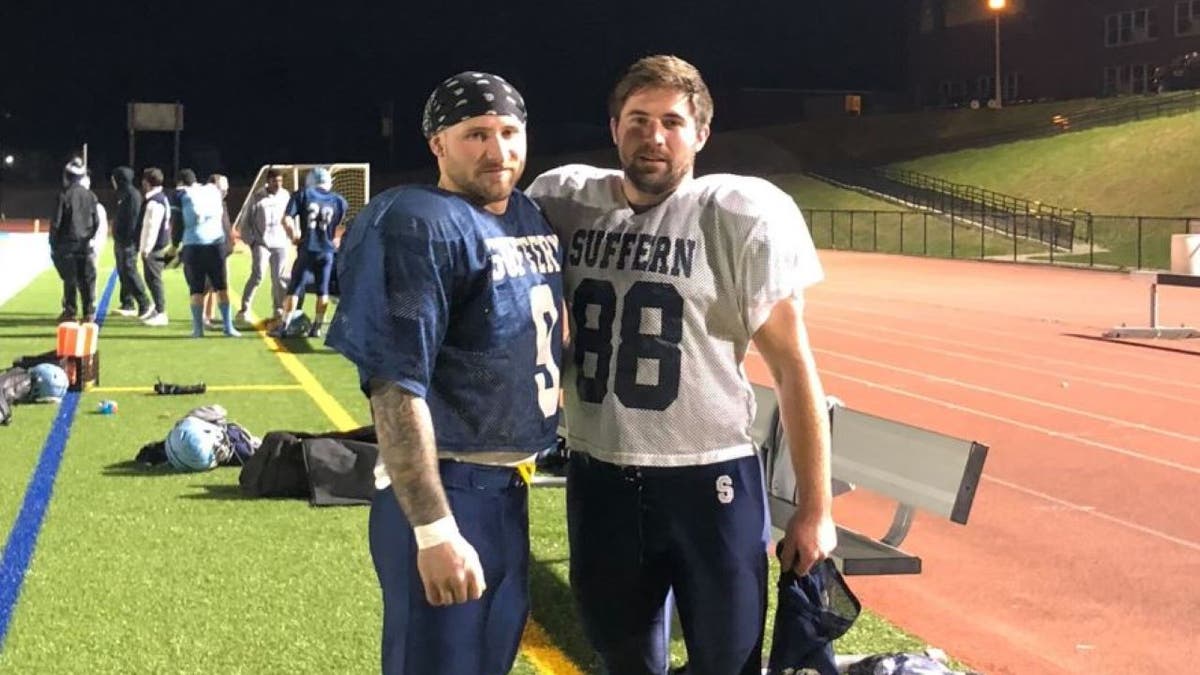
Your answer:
<point x="352" y="181"/>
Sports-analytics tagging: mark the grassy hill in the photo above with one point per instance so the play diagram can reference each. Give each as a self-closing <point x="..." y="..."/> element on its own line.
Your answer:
<point x="1145" y="168"/>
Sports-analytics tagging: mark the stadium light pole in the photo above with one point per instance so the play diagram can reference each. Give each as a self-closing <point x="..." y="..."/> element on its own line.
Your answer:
<point x="997" y="6"/>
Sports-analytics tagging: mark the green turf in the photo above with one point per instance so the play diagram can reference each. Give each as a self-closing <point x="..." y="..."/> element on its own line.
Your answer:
<point x="153" y="571"/>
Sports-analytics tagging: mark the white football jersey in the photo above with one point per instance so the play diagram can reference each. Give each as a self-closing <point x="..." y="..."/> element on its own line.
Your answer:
<point x="663" y="305"/>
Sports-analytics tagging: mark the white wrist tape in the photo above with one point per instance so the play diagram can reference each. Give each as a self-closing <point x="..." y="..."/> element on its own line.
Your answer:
<point x="438" y="532"/>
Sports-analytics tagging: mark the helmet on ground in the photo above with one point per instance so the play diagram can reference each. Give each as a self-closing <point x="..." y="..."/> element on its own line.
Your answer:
<point x="48" y="382"/>
<point x="192" y="444"/>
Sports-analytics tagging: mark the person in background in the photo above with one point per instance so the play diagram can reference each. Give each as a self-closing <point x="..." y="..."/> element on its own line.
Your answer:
<point x="262" y="230"/>
<point x="72" y="229"/>
<point x="202" y="249"/>
<point x="222" y="184"/>
<point x="126" y="233"/>
<point x="154" y="241"/>
<point x="313" y="217"/>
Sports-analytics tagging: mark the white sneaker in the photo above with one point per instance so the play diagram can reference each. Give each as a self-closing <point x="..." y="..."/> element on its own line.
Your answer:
<point x="159" y="319"/>
<point x="240" y="317"/>
<point x="149" y="313"/>
<point x="126" y="312"/>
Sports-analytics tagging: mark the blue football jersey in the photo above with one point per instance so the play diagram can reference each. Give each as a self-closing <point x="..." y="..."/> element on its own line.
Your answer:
<point x="318" y="212"/>
<point x="461" y="307"/>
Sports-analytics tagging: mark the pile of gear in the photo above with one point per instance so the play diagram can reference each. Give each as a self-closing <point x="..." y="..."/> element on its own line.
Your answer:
<point x="40" y="383"/>
<point x="201" y="440"/>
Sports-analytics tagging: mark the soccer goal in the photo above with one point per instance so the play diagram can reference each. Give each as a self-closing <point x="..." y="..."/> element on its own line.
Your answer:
<point x="352" y="181"/>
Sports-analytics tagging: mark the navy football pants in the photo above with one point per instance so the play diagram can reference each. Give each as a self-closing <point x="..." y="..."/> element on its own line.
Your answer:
<point x="311" y="268"/>
<point x="637" y="532"/>
<point x="490" y="505"/>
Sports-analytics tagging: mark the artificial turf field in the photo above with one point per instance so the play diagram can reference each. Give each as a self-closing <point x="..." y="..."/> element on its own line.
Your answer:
<point x="109" y="567"/>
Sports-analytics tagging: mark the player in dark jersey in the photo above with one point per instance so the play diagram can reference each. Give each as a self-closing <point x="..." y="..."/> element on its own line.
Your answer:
<point x="450" y="298"/>
<point x="312" y="217"/>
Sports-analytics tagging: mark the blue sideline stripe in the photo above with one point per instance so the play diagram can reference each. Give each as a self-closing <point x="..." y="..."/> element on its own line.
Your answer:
<point x="18" y="550"/>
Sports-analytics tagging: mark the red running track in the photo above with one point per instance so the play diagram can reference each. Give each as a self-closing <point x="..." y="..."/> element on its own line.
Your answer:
<point x="1082" y="554"/>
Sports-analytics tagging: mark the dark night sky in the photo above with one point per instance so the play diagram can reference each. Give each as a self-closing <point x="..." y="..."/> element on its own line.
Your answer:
<point x="269" y="82"/>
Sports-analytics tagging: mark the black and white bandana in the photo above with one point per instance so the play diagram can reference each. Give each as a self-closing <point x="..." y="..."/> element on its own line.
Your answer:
<point x="468" y="95"/>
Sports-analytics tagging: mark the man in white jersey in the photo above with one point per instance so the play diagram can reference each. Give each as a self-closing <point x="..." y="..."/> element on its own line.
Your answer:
<point x="669" y="279"/>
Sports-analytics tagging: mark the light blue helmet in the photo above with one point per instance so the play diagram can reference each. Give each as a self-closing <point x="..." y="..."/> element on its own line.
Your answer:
<point x="47" y="382"/>
<point x="192" y="444"/>
<point x="320" y="177"/>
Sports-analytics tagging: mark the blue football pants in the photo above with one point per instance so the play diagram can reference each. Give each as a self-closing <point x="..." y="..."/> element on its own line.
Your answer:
<point x="490" y="505"/>
<point x="637" y="532"/>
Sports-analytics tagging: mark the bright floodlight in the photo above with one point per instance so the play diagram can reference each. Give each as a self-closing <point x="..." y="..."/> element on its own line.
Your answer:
<point x="996" y="4"/>
<point x="8" y="160"/>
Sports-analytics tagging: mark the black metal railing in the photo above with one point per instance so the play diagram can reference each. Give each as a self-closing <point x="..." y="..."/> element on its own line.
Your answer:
<point x="981" y="207"/>
<point x="1104" y="241"/>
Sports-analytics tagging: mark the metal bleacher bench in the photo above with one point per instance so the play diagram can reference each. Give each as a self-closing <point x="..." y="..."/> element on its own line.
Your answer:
<point x="919" y="469"/>
<point x="1154" y="330"/>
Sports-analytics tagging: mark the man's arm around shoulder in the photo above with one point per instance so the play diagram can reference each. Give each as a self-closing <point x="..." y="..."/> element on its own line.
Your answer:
<point x="783" y="342"/>
<point x="449" y="566"/>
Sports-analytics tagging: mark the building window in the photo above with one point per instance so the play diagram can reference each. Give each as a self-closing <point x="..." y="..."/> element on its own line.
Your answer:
<point x="984" y="89"/>
<point x="1137" y="78"/>
<point x="1187" y="17"/>
<point x="1127" y="79"/>
<point x="1110" y="81"/>
<point x="1130" y="27"/>
<point x="953" y="92"/>
<point x="933" y="16"/>
<point x="1011" y="86"/>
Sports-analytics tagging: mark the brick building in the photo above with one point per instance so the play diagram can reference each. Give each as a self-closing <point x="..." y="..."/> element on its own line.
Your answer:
<point x="1049" y="49"/>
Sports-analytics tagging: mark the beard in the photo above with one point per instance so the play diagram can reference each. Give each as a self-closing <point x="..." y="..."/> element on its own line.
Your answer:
<point x="484" y="187"/>
<point x="656" y="178"/>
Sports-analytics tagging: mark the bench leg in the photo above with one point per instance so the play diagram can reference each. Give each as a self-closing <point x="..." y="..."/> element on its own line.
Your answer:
<point x="1154" y="306"/>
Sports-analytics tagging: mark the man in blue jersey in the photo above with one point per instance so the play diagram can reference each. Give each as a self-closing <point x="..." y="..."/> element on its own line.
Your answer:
<point x="450" y="299"/>
<point x="312" y="218"/>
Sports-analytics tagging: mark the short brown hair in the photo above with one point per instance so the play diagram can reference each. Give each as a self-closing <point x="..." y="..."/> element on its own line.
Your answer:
<point x="664" y="72"/>
<point x="153" y="176"/>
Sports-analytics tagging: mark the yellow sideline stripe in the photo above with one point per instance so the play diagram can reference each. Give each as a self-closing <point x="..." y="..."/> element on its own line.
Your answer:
<point x="541" y="652"/>
<point x="218" y="387"/>
<point x="535" y="643"/>
<point x="308" y="382"/>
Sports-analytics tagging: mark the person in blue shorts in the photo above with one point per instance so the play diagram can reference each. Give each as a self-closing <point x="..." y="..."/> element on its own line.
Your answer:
<point x="450" y="298"/>
<point x="312" y="218"/>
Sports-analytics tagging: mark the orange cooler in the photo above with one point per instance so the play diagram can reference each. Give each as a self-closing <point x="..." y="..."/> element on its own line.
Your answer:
<point x="79" y="350"/>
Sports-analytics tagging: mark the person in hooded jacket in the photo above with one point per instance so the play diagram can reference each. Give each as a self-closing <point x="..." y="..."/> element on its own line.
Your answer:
<point x="126" y="234"/>
<point x="72" y="228"/>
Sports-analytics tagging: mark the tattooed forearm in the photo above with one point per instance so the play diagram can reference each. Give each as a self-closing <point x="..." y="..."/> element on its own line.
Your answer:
<point x="406" y="444"/>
